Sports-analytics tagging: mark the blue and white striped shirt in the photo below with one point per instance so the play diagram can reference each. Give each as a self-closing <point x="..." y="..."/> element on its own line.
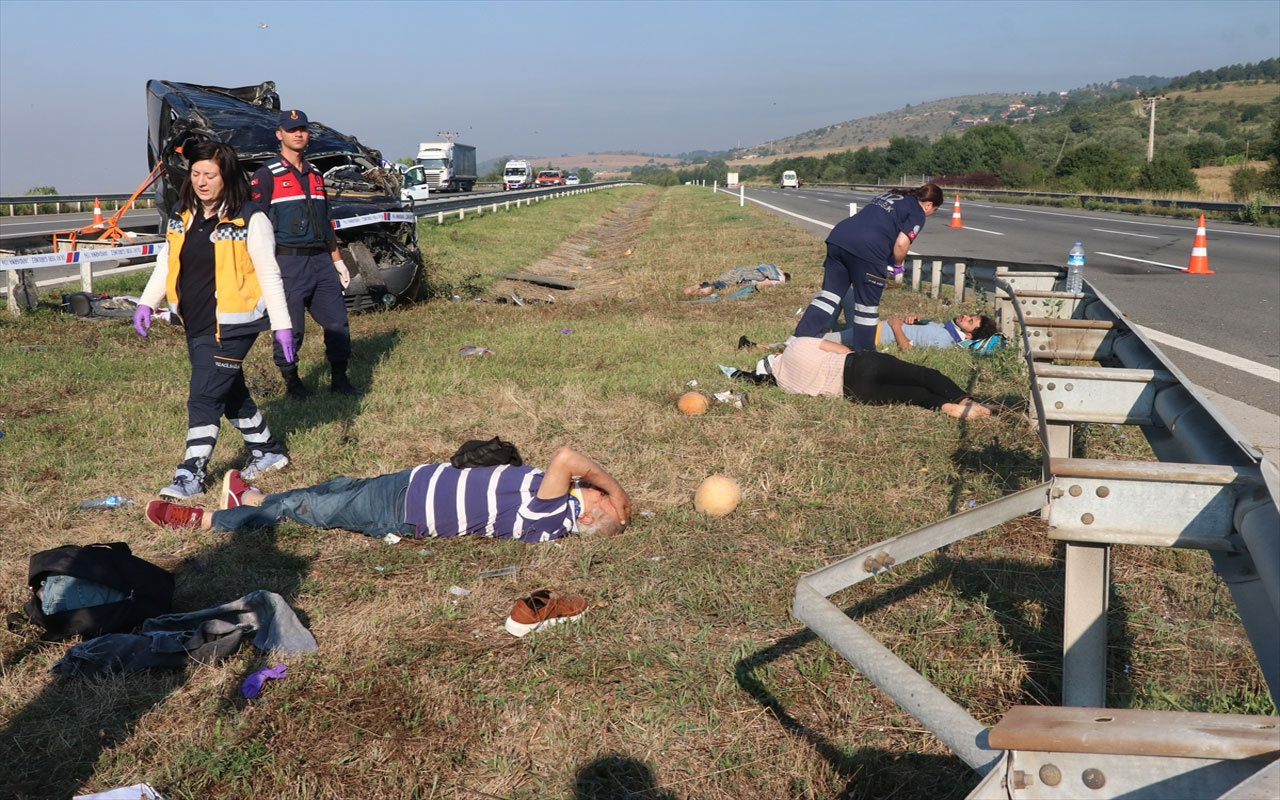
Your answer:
<point x="498" y="502"/>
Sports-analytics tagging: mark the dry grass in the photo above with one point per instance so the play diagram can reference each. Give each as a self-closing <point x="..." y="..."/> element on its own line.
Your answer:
<point x="687" y="678"/>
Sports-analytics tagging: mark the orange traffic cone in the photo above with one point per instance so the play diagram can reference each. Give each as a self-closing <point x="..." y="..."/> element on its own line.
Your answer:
<point x="955" y="215"/>
<point x="1199" y="264"/>
<point x="98" y="222"/>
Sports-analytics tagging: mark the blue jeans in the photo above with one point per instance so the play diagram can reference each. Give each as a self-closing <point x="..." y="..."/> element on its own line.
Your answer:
<point x="372" y="506"/>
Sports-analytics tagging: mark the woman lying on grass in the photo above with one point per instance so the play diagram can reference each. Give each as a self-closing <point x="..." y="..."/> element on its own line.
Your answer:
<point x="820" y="367"/>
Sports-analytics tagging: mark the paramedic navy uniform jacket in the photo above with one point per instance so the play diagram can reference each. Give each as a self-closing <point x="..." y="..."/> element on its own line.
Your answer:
<point x="859" y="250"/>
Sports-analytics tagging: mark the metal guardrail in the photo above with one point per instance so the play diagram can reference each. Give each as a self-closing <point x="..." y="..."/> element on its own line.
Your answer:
<point x="1204" y="205"/>
<point x="21" y="288"/>
<point x="1209" y="490"/>
<point x="110" y="202"/>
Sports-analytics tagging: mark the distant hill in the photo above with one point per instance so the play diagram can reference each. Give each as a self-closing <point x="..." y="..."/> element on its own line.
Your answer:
<point x="923" y="121"/>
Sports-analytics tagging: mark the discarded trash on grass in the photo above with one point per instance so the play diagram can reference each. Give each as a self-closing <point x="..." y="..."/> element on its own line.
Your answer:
<point x="114" y="501"/>
<point x="391" y="538"/>
<point x="253" y="684"/>
<point x="735" y="399"/>
<point x="458" y="591"/>
<point x="566" y="331"/>
<point x="468" y="350"/>
<point x="497" y="573"/>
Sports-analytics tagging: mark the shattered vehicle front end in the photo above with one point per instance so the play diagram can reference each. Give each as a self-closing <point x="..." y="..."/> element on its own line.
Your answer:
<point x="382" y="255"/>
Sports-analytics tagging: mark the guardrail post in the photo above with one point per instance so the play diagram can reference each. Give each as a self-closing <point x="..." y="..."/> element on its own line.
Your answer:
<point x="935" y="280"/>
<point x="1084" y="628"/>
<point x="917" y="267"/>
<point x="853" y="209"/>
<point x="86" y="276"/>
<point x="959" y="282"/>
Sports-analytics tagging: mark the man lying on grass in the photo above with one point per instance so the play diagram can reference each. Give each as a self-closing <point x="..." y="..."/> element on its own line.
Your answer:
<point x="573" y="495"/>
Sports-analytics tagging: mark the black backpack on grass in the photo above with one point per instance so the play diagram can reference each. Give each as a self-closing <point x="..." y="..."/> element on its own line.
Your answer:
<point x="147" y="589"/>
<point x="491" y="453"/>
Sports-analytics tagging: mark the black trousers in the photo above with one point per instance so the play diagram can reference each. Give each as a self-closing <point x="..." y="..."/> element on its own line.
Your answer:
<point x="879" y="378"/>
<point x="217" y="389"/>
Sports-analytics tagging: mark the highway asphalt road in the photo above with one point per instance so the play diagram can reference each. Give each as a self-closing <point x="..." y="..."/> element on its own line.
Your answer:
<point x="1228" y="322"/>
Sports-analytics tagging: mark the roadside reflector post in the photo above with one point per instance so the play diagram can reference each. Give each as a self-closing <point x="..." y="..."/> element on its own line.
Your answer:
<point x="742" y="196"/>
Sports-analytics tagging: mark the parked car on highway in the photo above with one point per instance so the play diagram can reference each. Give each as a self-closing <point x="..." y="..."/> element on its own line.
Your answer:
<point x="571" y="180"/>
<point x="383" y="257"/>
<point x="550" y="177"/>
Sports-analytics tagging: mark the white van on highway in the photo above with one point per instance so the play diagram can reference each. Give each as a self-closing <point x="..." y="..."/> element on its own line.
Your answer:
<point x="517" y="174"/>
<point x="789" y="180"/>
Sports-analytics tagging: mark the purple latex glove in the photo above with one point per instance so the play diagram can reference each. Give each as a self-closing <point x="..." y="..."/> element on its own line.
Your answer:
<point x="285" y="338"/>
<point x="253" y="684"/>
<point x="897" y="269"/>
<point x="142" y="320"/>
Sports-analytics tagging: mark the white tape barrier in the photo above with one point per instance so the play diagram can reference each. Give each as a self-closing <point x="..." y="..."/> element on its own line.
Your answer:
<point x="83" y="256"/>
<point x="370" y="219"/>
<point x="160" y="249"/>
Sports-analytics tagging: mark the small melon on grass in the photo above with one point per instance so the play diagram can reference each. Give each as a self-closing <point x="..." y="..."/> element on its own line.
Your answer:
<point x="717" y="495"/>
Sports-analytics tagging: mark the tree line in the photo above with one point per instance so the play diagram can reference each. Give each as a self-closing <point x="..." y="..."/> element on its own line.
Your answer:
<point x="1095" y="142"/>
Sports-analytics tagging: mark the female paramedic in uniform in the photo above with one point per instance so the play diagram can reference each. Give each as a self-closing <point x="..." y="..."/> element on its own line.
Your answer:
<point x="221" y="280"/>
<point x="859" y="252"/>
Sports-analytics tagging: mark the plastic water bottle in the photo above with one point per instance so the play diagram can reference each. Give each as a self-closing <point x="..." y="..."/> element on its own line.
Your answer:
<point x="114" y="501"/>
<point x="1075" y="269"/>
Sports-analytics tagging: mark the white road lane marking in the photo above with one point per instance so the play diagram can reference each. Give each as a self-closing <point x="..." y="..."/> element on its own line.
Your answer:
<point x="1142" y="261"/>
<point x="1012" y="219"/>
<point x="982" y="230"/>
<point x="1226" y="359"/>
<point x="1127" y="233"/>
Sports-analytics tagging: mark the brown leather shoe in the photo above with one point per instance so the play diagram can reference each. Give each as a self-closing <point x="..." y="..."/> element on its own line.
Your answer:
<point x="542" y="609"/>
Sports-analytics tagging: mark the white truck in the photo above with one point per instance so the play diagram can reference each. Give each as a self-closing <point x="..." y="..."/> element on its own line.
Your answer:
<point x="517" y="174"/>
<point x="441" y="167"/>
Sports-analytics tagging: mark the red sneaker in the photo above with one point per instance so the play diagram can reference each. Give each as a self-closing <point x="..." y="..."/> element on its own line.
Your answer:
<point x="171" y="515"/>
<point x="542" y="609"/>
<point x="233" y="487"/>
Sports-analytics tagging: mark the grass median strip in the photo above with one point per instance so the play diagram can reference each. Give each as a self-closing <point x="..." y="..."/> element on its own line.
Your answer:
<point x="687" y="677"/>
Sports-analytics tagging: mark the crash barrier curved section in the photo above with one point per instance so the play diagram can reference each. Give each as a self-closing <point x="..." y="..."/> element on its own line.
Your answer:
<point x="1209" y="490"/>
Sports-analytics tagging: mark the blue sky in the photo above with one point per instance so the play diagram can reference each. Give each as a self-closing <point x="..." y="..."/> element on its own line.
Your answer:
<point x="552" y="78"/>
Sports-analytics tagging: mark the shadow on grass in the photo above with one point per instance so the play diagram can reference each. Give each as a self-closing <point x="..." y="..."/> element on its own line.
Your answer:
<point x="1001" y="585"/>
<point x="617" y="777"/>
<point x="288" y="417"/>
<point x="52" y="746"/>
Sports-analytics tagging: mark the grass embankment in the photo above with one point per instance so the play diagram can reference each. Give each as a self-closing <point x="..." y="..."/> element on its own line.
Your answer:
<point x="687" y="678"/>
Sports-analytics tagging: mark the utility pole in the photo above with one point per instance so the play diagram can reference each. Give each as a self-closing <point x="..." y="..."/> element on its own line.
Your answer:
<point x="1151" y="132"/>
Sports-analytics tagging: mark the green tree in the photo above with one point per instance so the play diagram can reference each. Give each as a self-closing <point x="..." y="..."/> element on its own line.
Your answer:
<point x="1169" y="171"/>
<point x="906" y="156"/>
<point x="993" y="144"/>
<point x="1096" y="167"/>
<point x="1246" y="182"/>
<point x="41" y="190"/>
<point x="585" y="175"/>
<point x="1205" y="150"/>
<point x="952" y="156"/>
<point x="1271" y="149"/>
